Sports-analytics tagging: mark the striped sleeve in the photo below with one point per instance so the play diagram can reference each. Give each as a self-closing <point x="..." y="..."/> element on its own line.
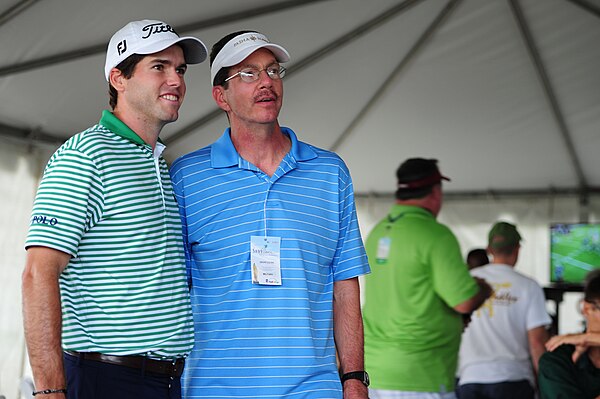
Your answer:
<point x="68" y="203"/>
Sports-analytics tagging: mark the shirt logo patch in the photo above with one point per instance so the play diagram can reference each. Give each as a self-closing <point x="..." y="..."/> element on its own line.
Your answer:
<point x="43" y="219"/>
<point x="500" y="297"/>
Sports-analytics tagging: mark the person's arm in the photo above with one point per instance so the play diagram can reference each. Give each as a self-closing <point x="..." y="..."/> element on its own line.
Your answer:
<point x="581" y="341"/>
<point x="348" y="332"/>
<point x="471" y="304"/>
<point x="42" y="318"/>
<point x="537" y="337"/>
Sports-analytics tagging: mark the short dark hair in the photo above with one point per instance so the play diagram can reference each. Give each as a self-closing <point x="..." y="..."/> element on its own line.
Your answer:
<point x="591" y="289"/>
<point x="504" y="251"/>
<point x="127" y="67"/>
<point x="223" y="73"/>
<point x="477" y="257"/>
<point x="413" y="194"/>
<point x="413" y="170"/>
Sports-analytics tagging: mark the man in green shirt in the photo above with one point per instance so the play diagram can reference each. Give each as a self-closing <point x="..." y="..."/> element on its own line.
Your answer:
<point x="106" y="306"/>
<point x="571" y="368"/>
<point x="417" y="292"/>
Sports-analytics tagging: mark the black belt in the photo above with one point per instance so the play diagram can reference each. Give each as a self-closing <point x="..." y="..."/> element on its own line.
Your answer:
<point x="159" y="367"/>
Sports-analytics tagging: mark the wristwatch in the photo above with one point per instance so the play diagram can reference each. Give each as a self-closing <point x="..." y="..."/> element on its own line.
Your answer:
<point x="363" y="376"/>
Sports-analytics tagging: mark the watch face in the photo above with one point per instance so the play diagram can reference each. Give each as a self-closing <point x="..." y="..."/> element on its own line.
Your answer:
<point x="366" y="380"/>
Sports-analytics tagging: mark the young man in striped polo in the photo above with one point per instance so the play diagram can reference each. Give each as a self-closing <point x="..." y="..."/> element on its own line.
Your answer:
<point x="104" y="244"/>
<point x="273" y="246"/>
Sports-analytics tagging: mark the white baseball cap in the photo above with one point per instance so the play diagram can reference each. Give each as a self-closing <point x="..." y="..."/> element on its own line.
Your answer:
<point x="147" y="37"/>
<point x="237" y="49"/>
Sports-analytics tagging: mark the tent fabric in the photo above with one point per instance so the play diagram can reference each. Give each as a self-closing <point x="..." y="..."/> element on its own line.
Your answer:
<point x="503" y="92"/>
<point x="19" y="172"/>
<point x="376" y="81"/>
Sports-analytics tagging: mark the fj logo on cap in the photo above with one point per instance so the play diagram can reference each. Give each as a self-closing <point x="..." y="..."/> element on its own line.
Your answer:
<point x="156" y="28"/>
<point x="122" y="47"/>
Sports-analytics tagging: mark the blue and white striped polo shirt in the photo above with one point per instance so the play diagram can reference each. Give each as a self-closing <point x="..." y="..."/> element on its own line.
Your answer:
<point x="255" y="341"/>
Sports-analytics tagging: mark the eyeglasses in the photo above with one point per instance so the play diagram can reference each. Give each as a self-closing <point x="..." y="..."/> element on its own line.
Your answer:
<point x="250" y="75"/>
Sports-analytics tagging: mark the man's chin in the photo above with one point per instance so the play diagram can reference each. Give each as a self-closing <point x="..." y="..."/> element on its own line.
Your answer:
<point x="171" y="118"/>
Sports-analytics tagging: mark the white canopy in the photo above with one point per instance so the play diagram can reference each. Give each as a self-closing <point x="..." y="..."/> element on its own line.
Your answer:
<point x="504" y="93"/>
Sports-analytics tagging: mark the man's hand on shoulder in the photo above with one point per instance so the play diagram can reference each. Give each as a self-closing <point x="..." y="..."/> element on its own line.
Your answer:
<point x="484" y="287"/>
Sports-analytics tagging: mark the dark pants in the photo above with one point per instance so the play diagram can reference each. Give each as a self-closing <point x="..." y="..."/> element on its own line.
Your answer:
<point x="500" y="390"/>
<point x="88" y="379"/>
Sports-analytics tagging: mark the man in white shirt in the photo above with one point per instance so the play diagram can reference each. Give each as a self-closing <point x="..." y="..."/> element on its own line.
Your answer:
<point x="502" y="345"/>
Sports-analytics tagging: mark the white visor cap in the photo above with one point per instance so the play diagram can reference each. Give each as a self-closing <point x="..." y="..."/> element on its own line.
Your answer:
<point x="237" y="49"/>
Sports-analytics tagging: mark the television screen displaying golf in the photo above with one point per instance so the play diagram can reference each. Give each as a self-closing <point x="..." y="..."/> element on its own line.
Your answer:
<point x="574" y="251"/>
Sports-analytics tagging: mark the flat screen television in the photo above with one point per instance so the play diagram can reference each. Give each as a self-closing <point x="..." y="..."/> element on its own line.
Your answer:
<point x="574" y="251"/>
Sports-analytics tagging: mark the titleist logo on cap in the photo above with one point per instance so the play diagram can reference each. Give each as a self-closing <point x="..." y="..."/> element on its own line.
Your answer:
<point x="157" y="28"/>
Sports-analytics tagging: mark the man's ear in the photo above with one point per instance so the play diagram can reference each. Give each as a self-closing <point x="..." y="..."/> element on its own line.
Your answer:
<point x="117" y="79"/>
<point x="220" y="97"/>
<point x="586" y="308"/>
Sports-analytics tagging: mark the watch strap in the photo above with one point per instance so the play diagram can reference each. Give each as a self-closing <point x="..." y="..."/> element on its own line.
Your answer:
<point x="361" y="375"/>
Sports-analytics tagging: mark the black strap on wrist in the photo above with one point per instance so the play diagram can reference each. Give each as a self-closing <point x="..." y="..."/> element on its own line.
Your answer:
<point x="361" y="375"/>
<point x="49" y="391"/>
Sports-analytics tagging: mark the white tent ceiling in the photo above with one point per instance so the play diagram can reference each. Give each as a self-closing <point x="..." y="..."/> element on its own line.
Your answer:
<point x="505" y="93"/>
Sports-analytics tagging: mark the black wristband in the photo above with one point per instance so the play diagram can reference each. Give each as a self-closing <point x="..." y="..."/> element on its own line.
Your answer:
<point x="361" y="375"/>
<point x="49" y="391"/>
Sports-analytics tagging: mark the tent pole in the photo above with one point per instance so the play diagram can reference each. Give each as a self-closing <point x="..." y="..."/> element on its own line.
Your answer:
<point x="549" y="91"/>
<point x="584" y="206"/>
<point x="385" y="86"/>
<point x="183" y="29"/>
<point x="587" y="6"/>
<point x="306" y="62"/>
<point x="15" y="10"/>
<point x="502" y="194"/>
<point x="30" y="137"/>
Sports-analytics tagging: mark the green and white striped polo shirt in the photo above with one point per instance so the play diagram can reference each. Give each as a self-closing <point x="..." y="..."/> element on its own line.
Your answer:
<point x="106" y="198"/>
